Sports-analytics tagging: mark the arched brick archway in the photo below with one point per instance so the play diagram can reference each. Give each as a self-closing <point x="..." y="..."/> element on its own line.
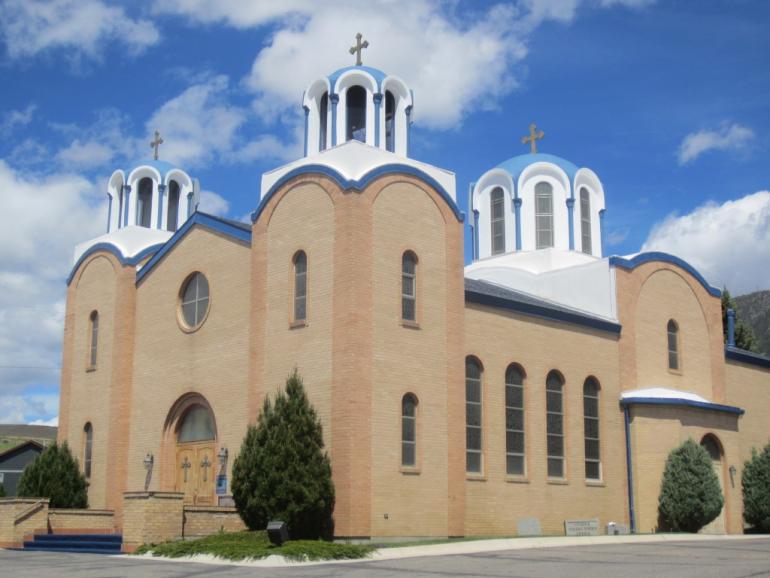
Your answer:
<point x="189" y="463"/>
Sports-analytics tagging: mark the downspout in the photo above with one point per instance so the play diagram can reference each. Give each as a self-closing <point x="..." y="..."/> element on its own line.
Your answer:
<point x="629" y="470"/>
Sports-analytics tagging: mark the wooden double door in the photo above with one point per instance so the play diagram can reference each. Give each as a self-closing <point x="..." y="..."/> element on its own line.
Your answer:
<point x="196" y="472"/>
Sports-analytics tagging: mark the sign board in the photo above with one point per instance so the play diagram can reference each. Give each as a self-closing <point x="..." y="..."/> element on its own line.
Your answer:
<point x="528" y="527"/>
<point x="221" y="484"/>
<point x="581" y="527"/>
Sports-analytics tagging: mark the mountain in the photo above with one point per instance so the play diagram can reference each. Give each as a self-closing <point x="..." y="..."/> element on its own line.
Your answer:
<point x="754" y="310"/>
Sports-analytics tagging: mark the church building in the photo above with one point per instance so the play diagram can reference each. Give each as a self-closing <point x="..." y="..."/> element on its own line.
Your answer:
<point x="545" y="381"/>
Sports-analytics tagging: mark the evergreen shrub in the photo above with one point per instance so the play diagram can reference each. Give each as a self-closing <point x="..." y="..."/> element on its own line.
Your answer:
<point x="282" y="471"/>
<point x="756" y="490"/>
<point x="55" y="475"/>
<point x="690" y="496"/>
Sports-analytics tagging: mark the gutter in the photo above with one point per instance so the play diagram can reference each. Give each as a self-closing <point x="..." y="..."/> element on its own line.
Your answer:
<point x="629" y="470"/>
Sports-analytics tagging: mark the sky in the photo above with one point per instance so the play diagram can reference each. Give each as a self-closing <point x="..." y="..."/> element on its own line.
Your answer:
<point x="667" y="101"/>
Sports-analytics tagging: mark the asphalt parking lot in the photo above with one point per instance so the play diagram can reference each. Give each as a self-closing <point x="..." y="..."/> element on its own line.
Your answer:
<point x="718" y="559"/>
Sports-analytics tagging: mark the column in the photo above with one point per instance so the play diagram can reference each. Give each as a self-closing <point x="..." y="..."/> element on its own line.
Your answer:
<point x="571" y="217"/>
<point x="109" y="211"/>
<point x="307" y="121"/>
<point x="335" y="98"/>
<point x="377" y="104"/>
<point x="517" y="216"/>
<point x="161" y="191"/>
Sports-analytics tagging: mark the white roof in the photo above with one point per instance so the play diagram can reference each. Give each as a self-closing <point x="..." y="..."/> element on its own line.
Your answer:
<point x="353" y="160"/>
<point x="130" y="241"/>
<point x="662" y="393"/>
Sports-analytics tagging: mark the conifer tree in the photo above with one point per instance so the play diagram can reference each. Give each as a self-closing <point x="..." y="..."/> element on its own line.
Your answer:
<point x="756" y="489"/>
<point x="744" y="334"/>
<point x="55" y="475"/>
<point x="690" y="496"/>
<point x="282" y="471"/>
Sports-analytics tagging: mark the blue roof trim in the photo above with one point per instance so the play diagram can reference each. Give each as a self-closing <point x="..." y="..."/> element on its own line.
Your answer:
<point x="110" y="248"/>
<point x="737" y="354"/>
<point x="358" y="185"/>
<point x="378" y="74"/>
<point x="225" y="226"/>
<point x="162" y="167"/>
<point x="643" y="258"/>
<point x="516" y="165"/>
<point x="541" y="311"/>
<point x="678" y="401"/>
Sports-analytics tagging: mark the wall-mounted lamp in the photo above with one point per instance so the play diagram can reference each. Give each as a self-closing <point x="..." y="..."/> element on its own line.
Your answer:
<point x="222" y="456"/>
<point x="148" y="461"/>
<point x="733" y="471"/>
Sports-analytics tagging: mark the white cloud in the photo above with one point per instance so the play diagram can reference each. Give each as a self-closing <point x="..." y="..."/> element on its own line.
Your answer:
<point x="16" y="118"/>
<point x="627" y="3"/>
<point x="53" y="422"/>
<point x="98" y="145"/>
<point x="82" y="27"/>
<point x="728" y="243"/>
<point x="42" y="220"/>
<point x="213" y="204"/>
<point x="728" y="136"/>
<point x="198" y="125"/>
<point x="236" y="13"/>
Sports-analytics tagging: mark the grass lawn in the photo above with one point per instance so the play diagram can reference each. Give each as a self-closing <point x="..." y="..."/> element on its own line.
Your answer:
<point x="242" y="545"/>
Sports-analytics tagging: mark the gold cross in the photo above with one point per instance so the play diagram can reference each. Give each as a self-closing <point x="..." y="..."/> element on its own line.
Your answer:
<point x="358" y="48"/>
<point x="533" y="137"/>
<point x="155" y="144"/>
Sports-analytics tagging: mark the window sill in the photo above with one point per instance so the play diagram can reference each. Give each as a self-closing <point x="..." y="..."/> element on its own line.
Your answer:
<point x="90" y="369"/>
<point x="298" y="324"/>
<point x="557" y="481"/>
<point x="475" y="477"/>
<point x="516" y="479"/>
<point x="596" y="483"/>
<point x="410" y="471"/>
<point x="410" y="324"/>
<point x="675" y="371"/>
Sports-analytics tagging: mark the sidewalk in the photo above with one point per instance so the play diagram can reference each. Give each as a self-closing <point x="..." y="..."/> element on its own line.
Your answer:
<point x="469" y="547"/>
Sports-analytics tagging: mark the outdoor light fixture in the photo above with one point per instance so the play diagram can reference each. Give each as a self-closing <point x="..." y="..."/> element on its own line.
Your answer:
<point x="148" y="461"/>
<point x="222" y="456"/>
<point x="732" y="471"/>
<point x="277" y="532"/>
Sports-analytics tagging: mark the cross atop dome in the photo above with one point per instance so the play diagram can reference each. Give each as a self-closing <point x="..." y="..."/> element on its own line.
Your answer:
<point x="155" y="144"/>
<point x="533" y="137"/>
<point x="358" y="48"/>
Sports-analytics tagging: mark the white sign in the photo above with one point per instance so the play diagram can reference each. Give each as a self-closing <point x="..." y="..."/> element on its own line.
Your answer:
<point x="581" y="527"/>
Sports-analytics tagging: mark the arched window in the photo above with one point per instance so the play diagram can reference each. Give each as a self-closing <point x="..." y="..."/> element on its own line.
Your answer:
<point x="173" y="206"/>
<point x="514" y="421"/>
<point x="591" y="428"/>
<point x="356" y="113"/>
<point x="300" y="286"/>
<point x="497" y="205"/>
<point x="711" y="445"/>
<point x="390" y="116"/>
<point x="585" y="221"/>
<point x="93" y="338"/>
<point x="197" y="425"/>
<point x="323" y="113"/>
<point x="472" y="415"/>
<point x="195" y="300"/>
<point x="409" y="430"/>
<point x="409" y="286"/>
<point x="144" y="203"/>
<point x="554" y="384"/>
<point x="544" y="215"/>
<point x="88" y="432"/>
<point x="673" y="345"/>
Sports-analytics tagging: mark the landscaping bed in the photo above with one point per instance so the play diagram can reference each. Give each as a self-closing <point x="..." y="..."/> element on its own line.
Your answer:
<point x="255" y="545"/>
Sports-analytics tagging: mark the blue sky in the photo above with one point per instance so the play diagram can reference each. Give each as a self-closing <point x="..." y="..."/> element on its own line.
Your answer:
<point x="666" y="101"/>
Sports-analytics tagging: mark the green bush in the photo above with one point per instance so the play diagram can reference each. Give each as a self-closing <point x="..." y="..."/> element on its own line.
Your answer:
<point x="756" y="490"/>
<point x="690" y="496"/>
<point x="282" y="471"/>
<point x="55" y="475"/>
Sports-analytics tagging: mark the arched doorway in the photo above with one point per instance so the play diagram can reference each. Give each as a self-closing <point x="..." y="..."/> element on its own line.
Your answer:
<point x="192" y="437"/>
<point x="714" y="449"/>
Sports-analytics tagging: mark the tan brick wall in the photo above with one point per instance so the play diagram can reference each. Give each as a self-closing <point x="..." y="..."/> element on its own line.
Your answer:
<point x="85" y="392"/>
<point x="20" y="517"/>
<point x="62" y="521"/>
<point x="409" y="360"/>
<point x="494" y="501"/>
<point x="655" y="431"/>
<point x="199" y="522"/>
<point x="151" y="518"/>
<point x="170" y="363"/>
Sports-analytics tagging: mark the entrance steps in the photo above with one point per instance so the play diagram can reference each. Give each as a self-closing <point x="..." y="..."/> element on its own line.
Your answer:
<point x="78" y="543"/>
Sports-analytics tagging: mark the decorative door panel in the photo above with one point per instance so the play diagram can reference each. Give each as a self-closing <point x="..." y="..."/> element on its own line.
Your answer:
<point x="206" y="475"/>
<point x="185" y="473"/>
